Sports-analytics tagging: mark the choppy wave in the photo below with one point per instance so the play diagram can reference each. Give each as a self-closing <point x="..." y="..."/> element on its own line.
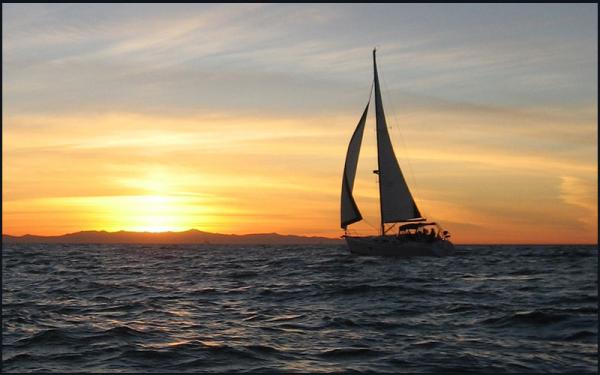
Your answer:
<point x="174" y="308"/>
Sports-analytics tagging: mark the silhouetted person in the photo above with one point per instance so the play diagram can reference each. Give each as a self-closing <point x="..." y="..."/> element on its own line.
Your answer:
<point x="432" y="235"/>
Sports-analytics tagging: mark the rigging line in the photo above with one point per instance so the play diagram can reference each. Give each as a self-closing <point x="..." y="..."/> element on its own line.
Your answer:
<point x="369" y="224"/>
<point x="374" y="132"/>
<point x="370" y="95"/>
<point x="398" y="134"/>
<point x="369" y="101"/>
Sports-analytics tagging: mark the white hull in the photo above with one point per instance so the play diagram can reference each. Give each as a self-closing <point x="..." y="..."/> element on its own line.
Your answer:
<point x="393" y="246"/>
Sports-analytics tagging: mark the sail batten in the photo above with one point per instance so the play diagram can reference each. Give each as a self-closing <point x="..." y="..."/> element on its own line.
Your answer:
<point x="349" y="210"/>
<point x="396" y="201"/>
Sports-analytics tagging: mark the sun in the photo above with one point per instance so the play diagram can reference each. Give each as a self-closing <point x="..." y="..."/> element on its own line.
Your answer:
<point x="157" y="228"/>
<point x="155" y="213"/>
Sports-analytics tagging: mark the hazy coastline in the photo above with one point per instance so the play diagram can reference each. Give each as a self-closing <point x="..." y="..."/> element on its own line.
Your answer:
<point x="192" y="236"/>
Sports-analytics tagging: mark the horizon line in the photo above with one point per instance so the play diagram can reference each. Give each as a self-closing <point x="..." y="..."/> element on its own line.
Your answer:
<point x="159" y="232"/>
<point x="279" y="234"/>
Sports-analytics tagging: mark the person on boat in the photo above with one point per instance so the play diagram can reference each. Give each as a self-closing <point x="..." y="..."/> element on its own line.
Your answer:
<point x="420" y="235"/>
<point x="432" y="235"/>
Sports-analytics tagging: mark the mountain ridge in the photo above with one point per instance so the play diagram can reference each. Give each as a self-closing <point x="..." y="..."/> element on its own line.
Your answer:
<point x="192" y="236"/>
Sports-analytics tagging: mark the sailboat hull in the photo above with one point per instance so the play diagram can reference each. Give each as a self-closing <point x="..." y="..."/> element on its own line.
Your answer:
<point x="393" y="246"/>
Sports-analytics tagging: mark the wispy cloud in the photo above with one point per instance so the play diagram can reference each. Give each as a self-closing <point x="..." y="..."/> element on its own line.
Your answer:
<point x="251" y="103"/>
<point x="584" y="195"/>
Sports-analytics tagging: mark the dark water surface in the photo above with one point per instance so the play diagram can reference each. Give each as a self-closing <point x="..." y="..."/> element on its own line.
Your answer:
<point x="139" y="308"/>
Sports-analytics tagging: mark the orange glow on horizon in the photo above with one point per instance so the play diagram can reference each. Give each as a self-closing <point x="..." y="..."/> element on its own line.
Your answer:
<point x="225" y="179"/>
<point x="236" y="119"/>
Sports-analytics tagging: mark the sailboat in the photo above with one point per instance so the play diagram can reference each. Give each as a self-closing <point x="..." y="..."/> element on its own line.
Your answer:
<point x="415" y="236"/>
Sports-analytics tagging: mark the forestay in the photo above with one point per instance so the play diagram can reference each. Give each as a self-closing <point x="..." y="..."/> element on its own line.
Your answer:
<point x="350" y="212"/>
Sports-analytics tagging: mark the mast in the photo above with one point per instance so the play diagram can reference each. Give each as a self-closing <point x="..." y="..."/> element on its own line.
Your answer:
<point x="396" y="203"/>
<point x="378" y="108"/>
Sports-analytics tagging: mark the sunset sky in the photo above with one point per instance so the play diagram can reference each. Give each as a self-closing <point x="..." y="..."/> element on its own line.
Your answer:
<point x="236" y="118"/>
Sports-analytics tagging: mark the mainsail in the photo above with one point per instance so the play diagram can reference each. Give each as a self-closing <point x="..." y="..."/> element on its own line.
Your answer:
<point x="397" y="204"/>
<point x="350" y="212"/>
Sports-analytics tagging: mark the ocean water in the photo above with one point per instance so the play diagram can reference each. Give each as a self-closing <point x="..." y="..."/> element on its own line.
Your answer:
<point x="139" y="308"/>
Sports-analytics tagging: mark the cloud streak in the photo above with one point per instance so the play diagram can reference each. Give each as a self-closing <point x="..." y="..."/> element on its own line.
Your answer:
<point x="492" y="112"/>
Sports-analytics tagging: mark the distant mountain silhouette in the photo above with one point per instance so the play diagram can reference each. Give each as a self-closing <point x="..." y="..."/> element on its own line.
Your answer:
<point x="192" y="236"/>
